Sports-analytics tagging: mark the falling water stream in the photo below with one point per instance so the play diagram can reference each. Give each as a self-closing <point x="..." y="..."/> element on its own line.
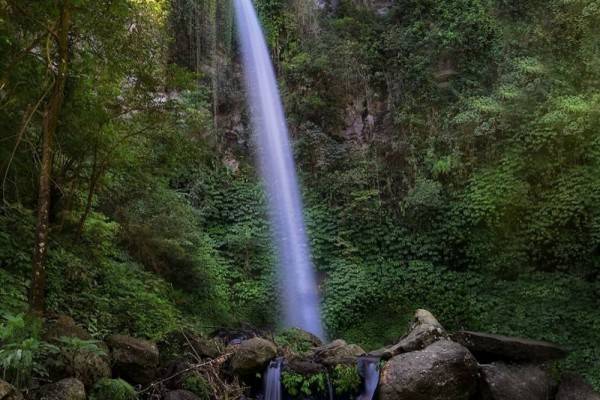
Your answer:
<point x="272" y="382"/>
<point x="368" y="368"/>
<point x="299" y="289"/>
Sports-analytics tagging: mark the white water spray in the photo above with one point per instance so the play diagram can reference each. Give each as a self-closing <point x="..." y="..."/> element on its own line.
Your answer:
<point x="299" y="289"/>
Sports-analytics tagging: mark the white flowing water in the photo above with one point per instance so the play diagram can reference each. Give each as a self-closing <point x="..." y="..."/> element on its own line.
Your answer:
<point x="368" y="369"/>
<point x="299" y="289"/>
<point x="272" y="381"/>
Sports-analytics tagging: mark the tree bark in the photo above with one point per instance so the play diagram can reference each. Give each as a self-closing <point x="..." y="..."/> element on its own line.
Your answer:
<point x="97" y="172"/>
<point x="50" y="123"/>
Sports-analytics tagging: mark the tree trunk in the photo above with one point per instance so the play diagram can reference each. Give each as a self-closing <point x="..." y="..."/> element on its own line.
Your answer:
<point x="50" y="122"/>
<point x="96" y="173"/>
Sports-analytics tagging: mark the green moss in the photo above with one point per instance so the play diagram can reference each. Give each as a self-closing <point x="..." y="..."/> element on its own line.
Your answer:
<point x="294" y="340"/>
<point x="113" y="389"/>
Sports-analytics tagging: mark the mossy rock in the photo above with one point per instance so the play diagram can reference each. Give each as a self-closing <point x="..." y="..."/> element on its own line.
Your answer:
<point x="297" y="340"/>
<point x="113" y="389"/>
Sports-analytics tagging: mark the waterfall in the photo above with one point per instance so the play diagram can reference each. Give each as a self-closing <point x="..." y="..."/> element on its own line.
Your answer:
<point x="368" y="368"/>
<point x="273" y="380"/>
<point x="299" y="289"/>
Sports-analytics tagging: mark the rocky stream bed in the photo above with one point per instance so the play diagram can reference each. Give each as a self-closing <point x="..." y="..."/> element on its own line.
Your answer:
<point x="428" y="363"/>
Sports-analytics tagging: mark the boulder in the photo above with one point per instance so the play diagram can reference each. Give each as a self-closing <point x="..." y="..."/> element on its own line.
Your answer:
<point x="178" y="343"/>
<point x="180" y="395"/>
<point x="299" y="338"/>
<point x="252" y="356"/>
<point x="66" y="389"/>
<point x="64" y="326"/>
<point x="443" y="371"/>
<point x="488" y="348"/>
<point x="9" y="392"/>
<point x="574" y="387"/>
<point x="135" y="360"/>
<point x="509" y="382"/>
<point x="88" y="367"/>
<point x="424" y="331"/>
<point x="337" y="352"/>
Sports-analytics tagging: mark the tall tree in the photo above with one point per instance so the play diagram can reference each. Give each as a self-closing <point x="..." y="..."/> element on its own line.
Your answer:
<point x="51" y="114"/>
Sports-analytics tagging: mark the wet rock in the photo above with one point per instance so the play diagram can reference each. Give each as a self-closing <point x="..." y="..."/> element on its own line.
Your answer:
<point x="9" y="392"/>
<point x="443" y="371"/>
<point x="181" y="395"/>
<point x="424" y="331"/>
<point x="574" y="387"/>
<point x="303" y="366"/>
<point x="64" y="326"/>
<point x="337" y="352"/>
<point x="252" y="356"/>
<point x="135" y="360"/>
<point x="66" y="389"/>
<point x="510" y="382"/>
<point x="488" y="348"/>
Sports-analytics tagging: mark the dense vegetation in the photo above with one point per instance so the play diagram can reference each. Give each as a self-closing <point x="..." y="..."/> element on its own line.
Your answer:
<point x="449" y="154"/>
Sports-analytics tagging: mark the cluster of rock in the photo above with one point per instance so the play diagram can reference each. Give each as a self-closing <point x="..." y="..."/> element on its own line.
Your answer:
<point x="136" y="361"/>
<point x="426" y="364"/>
<point x="430" y="364"/>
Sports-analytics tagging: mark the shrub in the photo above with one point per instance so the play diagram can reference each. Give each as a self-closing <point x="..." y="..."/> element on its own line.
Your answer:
<point x="298" y="385"/>
<point x="346" y="380"/>
<point x="198" y="385"/>
<point x="22" y="352"/>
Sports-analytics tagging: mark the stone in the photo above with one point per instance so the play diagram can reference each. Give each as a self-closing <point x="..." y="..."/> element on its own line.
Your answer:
<point x="509" y="382"/>
<point x="64" y="326"/>
<point x="300" y="335"/>
<point x="135" y="360"/>
<point x="66" y="389"/>
<point x="186" y="342"/>
<point x="488" y="348"/>
<point x="337" y="352"/>
<point x="443" y="371"/>
<point x="90" y="367"/>
<point x="252" y="356"/>
<point x="574" y="387"/>
<point x="424" y="331"/>
<point x="9" y="392"/>
<point x="303" y="366"/>
<point x="181" y="395"/>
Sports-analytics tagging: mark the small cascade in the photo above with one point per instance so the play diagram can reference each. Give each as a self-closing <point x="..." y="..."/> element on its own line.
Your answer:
<point x="368" y="369"/>
<point x="273" y="380"/>
<point x="329" y="387"/>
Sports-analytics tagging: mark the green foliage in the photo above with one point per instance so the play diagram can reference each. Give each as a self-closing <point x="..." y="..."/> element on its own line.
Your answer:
<point x="346" y="380"/>
<point x="113" y="389"/>
<point x="198" y="385"/>
<point x="471" y="187"/>
<point x="22" y="352"/>
<point x="298" y="385"/>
